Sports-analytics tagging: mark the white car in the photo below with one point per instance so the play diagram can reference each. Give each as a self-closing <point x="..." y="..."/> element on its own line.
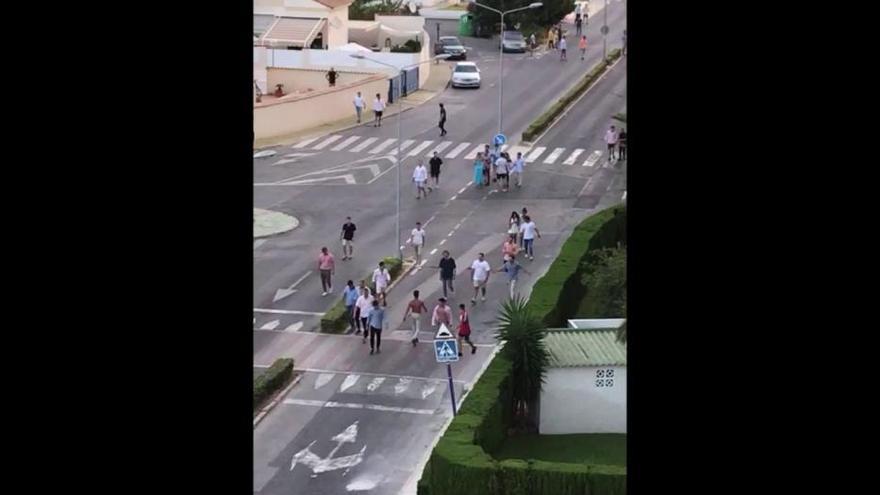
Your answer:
<point x="466" y="75"/>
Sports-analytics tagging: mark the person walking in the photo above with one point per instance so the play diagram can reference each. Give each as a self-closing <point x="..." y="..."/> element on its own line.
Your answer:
<point x="326" y="267"/>
<point x="417" y="241"/>
<point x="414" y="310"/>
<point x="529" y="230"/>
<point x="378" y="108"/>
<point x="578" y="24"/>
<point x="621" y="145"/>
<point x="563" y="45"/>
<point x="533" y="45"/>
<point x="519" y="166"/>
<point x="359" y="106"/>
<point x="349" y="298"/>
<point x="478" y="170"/>
<point x="381" y="280"/>
<point x="447" y="272"/>
<point x="501" y="171"/>
<point x="420" y="177"/>
<point x="363" y="305"/>
<point x="331" y="77"/>
<point x="435" y="163"/>
<point x="582" y="45"/>
<point x="442" y="120"/>
<point x="376" y="318"/>
<point x="480" y="271"/>
<point x="611" y="141"/>
<point x="551" y="35"/>
<point x="442" y="315"/>
<point x="509" y="249"/>
<point x="512" y="268"/>
<point x="513" y="225"/>
<point x="347" y="236"/>
<point x="464" y="329"/>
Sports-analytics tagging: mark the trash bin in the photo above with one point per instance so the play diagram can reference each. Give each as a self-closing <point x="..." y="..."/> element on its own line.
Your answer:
<point x="466" y="25"/>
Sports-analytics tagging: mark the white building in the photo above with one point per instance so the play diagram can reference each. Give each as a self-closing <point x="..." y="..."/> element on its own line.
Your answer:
<point x="585" y="388"/>
<point x="298" y="24"/>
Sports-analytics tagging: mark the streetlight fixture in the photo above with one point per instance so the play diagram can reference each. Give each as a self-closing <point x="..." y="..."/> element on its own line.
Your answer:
<point x="533" y="5"/>
<point x="361" y="56"/>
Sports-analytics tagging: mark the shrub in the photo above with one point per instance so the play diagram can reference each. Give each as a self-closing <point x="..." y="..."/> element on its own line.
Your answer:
<point x="523" y="338"/>
<point x="335" y="319"/>
<point x="272" y="380"/>
<point x="604" y="274"/>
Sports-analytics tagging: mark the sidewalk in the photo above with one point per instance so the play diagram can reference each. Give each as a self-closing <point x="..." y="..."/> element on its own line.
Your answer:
<point x="438" y="80"/>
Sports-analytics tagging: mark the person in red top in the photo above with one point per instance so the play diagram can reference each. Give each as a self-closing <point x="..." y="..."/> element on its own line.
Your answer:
<point x="464" y="329"/>
<point x="326" y="266"/>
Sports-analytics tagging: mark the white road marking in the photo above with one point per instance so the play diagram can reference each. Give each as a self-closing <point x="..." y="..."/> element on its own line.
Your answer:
<point x="439" y="148"/>
<point x="348" y="178"/>
<point x="571" y="159"/>
<point x="259" y="242"/>
<point x="330" y="140"/>
<point x="382" y="146"/>
<point x="265" y="153"/>
<point x="364" y="144"/>
<point x="593" y="158"/>
<point x="457" y="150"/>
<point x="349" y="382"/>
<point x="365" y="373"/>
<point x="295" y="327"/>
<point x="624" y="196"/>
<point x="342" y="145"/>
<point x="457" y="226"/>
<point x="469" y="184"/>
<point x="450" y="234"/>
<point x="375" y="383"/>
<point x="418" y="149"/>
<point x="271" y="325"/>
<point x="553" y="156"/>
<point x="323" y="464"/>
<point x="452" y="198"/>
<point x="403" y="146"/>
<point x="422" y="263"/>
<point x="282" y="293"/>
<point x="287" y="312"/>
<point x="323" y="379"/>
<point x="303" y="144"/>
<point x="462" y="189"/>
<point x="535" y="154"/>
<point x="442" y="242"/>
<point x="518" y="149"/>
<point x="402" y="385"/>
<point x="349" y="405"/>
<point x="473" y="153"/>
<point x="435" y="249"/>
<point x="428" y="389"/>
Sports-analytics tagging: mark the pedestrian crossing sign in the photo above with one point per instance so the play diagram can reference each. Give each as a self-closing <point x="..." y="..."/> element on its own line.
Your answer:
<point x="446" y="350"/>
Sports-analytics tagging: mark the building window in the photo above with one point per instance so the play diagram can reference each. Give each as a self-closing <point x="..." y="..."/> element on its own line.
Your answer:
<point x="605" y="378"/>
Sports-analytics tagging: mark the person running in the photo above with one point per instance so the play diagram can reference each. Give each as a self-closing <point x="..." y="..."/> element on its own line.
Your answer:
<point x="326" y="267"/>
<point x="512" y="268"/>
<point x="529" y="230"/>
<point x="414" y="309"/>
<point x="447" y="272"/>
<point x="621" y="145"/>
<point x="478" y="170"/>
<point x="509" y="249"/>
<point x="420" y="177"/>
<point x="350" y="297"/>
<point x="513" y="225"/>
<point x="363" y="304"/>
<point x="464" y="329"/>
<point x="442" y="120"/>
<point x="519" y="166"/>
<point x="501" y="172"/>
<point x="331" y="77"/>
<point x="611" y="141"/>
<point x="442" y="315"/>
<point x="435" y="163"/>
<point x="378" y="108"/>
<point x="381" y="279"/>
<point x="582" y="45"/>
<point x="359" y="106"/>
<point x="347" y="237"/>
<point x="563" y="45"/>
<point x="417" y="241"/>
<point x="376" y="318"/>
<point x="480" y="270"/>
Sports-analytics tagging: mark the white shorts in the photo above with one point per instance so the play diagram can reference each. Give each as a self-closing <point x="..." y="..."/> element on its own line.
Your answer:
<point x="417" y="247"/>
<point x="479" y="283"/>
<point x="380" y="288"/>
<point x="420" y="184"/>
<point x="346" y="242"/>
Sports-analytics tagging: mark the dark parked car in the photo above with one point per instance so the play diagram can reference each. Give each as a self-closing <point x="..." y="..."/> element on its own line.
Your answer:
<point x="452" y="47"/>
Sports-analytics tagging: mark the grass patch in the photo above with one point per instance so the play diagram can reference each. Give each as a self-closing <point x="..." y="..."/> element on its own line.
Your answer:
<point x="607" y="449"/>
<point x="621" y="117"/>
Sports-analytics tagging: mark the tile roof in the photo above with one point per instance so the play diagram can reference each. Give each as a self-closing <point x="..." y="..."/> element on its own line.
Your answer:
<point x="573" y="347"/>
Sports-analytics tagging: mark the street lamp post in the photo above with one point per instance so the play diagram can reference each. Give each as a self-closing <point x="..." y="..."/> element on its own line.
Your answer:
<point x="605" y="31"/>
<point x="534" y="5"/>
<point x="399" y="113"/>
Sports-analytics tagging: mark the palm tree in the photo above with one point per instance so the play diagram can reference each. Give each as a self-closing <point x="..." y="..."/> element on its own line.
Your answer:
<point x="523" y="336"/>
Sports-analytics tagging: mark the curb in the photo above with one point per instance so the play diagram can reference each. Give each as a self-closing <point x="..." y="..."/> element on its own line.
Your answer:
<point x="271" y="405"/>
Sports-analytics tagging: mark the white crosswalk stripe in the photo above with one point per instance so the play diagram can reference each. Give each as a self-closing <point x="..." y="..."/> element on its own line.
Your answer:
<point x="403" y="146"/>
<point x="418" y="149"/>
<point x="574" y="154"/>
<point x="554" y="155"/>
<point x="302" y="144"/>
<point x="330" y="140"/>
<point x="473" y="153"/>
<point x="457" y="150"/>
<point x="535" y="154"/>
<point x="518" y="149"/>
<point x="342" y="145"/>
<point x="382" y="146"/>
<point x="439" y="148"/>
<point x="364" y="144"/>
<point x="593" y="158"/>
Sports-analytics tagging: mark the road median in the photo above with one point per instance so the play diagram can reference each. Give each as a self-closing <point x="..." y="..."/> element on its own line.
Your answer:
<point x="546" y="119"/>
<point x="268" y="384"/>
<point x="336" y="319"/>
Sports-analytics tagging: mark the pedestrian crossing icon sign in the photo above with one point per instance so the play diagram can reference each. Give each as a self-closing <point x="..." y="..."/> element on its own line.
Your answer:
<point x="445" y="346"/>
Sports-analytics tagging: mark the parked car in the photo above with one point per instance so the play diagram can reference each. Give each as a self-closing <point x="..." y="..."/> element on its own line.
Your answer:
<point x="513" y="41"/>
<point x="466" y="75"/>
<point x="451" y="46"/>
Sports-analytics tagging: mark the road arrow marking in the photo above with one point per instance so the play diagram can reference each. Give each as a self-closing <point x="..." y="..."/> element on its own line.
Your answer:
<point x="402" y="385"/>
<point x="292" y="158"/>
<point x="375" y="383"/>
<point x="320" y="465"/>
<point x="348" y="178"/>
<point x="295" y="327"/>
<point x="265" y="153"/>
<point x="282" y="293"/>
<point x="593" y="158"/>
<point x="349" y="382"/>
<point x="271" y="325"/>
<point x="428" y="389"/>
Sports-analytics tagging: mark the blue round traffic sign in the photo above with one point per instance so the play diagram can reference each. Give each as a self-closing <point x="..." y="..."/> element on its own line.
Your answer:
<point x="500" y="139"/>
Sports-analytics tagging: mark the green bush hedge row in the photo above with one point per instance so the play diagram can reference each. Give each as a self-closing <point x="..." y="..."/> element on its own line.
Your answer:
<point x="272" y="380"/>
<point x="335" y="320"/>
<point x="546" y="118"/>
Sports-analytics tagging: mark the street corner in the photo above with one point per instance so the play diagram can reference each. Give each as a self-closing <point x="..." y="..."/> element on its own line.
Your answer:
<point x="268" y="223"/>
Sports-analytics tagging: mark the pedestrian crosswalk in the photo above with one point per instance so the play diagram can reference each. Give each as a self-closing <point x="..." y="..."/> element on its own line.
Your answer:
<point x="449" y="150"/>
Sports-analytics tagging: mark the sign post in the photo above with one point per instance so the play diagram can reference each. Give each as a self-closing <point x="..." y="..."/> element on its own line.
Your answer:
<point x="446" y="351"/>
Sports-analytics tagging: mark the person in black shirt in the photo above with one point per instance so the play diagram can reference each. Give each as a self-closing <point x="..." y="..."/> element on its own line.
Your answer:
<point x="331" y="78"/>
<point x="621" y="145"/>
<point x="347" y="237"/>
<point x="578" y="23"/>
<point x="442" y="120"/>
<point x="435" y="163"/>
<point x="447" y="272"/>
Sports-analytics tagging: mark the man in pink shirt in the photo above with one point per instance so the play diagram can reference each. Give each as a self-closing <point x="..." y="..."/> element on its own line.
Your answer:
<point x="326" y="266"/>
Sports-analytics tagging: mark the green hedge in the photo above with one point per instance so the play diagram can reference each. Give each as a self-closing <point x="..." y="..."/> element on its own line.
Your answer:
<point x="545" y="119"/>
<point x="335" y="320"/>
<point x="272" y="380"/>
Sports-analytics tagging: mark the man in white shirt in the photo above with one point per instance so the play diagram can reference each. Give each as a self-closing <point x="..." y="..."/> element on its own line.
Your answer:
<point x="611" y="141"/>
<point x="378" y="108"/>
<point x="481" y="270"/>
<point x="529" y="229"/>
<point x="359" y="106"/>
<point x="501" y="172"/>
<point x="417" y="240"/>
<point x="518" y="168"/>
<point x="420" y="177"/>
<point x="382" y="279"/>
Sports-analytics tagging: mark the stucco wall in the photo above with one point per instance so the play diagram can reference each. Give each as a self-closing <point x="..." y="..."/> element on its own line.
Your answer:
<point x="572" y="403"/>
<point x="296" y="79"/>
<point x="296" y="113"/>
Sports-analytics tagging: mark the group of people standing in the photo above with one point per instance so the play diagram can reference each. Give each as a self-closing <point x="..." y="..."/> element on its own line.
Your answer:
<point x="504" y="168"/>
<point x="616" y="140"/>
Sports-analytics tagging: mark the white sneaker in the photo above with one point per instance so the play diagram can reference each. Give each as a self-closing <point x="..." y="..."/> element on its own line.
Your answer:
<point x="483" y="299"/>
<point x="323" y="294"/>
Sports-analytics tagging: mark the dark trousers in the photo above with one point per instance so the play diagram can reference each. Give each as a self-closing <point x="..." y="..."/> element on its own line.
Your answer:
<point x="442" y="127"/>
<point x="325" y="280"/>
<point x="447" y="282"/>
<point x="375" y="335"/>
<point x="621" y="152"/>
<point x="349" y="310"/>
